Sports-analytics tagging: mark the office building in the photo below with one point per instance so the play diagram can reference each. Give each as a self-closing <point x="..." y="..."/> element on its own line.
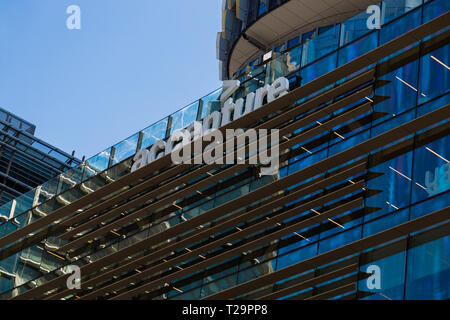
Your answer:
<point x="357" y="209"/>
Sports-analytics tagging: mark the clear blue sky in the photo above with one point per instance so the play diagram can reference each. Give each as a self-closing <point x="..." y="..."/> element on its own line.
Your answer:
<point x="132" y="63"/>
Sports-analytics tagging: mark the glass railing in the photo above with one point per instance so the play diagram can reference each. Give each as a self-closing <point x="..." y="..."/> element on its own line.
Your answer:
<point x="53" y="194"/>
<point x="55" y="187"/>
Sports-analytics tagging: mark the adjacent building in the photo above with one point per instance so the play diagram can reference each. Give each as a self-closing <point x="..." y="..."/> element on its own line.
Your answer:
<point x="26" y="161"/>
<point x="357" y="209"/>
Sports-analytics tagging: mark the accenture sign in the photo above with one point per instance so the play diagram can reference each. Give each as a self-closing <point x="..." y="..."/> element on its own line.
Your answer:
<point x="231" y="110"/>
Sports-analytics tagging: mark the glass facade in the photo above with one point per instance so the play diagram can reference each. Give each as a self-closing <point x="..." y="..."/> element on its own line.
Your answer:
<point x="304" y="212"/>
<point x="25" y="161"/>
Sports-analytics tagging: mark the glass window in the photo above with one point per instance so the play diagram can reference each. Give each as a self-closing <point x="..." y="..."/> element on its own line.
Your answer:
<point x="431" y="169"/>
<point x="434" y="74"/>
<point x="262" y="8"/>
<point x="430" y="205"/>
<point x="293" y="42"/>
<point x="348" y="143"/>
<point x="340" y="240"/>
<point x="184" y="117"/>
<point x="285" y="260"/>
<point x="433" y="105"/>
<point x="401" y="89"/>
<point x="354" y="28"/>
<point x="393" y="181"/>
<point x="154" y="133"/>
<point x="392" y="123"/>
<point x="325" y="42"/>
<point x="428" y="270"/>
<point x="283" y="65"/>
<point x="434" y="9"/>
<point x="385" y="223"/>
<point x="318" y="68"/>
<point x="279" y="49"/>
<point x="358" y="48"/>
<point x="401" y="26"/>
<point x="392" y="9"/>
<point x="391" y="270"/>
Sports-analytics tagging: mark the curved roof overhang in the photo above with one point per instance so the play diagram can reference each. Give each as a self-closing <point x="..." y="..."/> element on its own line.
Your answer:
<point x="288" y="20"/>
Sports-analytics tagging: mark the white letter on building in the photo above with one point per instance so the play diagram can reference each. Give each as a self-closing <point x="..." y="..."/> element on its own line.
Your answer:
<point x="140" y="159"/>
<point x="260" y="94"/>
<point x="278" y="89"/>
<point x="229" y="87"/>
<point x="156" y="151"/>
<point x="179" y="140"/>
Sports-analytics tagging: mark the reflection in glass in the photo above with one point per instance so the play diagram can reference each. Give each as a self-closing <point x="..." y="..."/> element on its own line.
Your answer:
<point x="98" y="163"/>
<point x="211" y="103"/>
<point x="393" y="179"/>
<point x="184" y="117"/>
<point x="358" y="48"/>
<point x="429" y="280"/>
<point x="320" y="45"/>
<point x="434" y="74"/>
<point x="431" y="169"/>
<point x="353" y="28"/>
<point x="154" y="133"/>
<point x="126" y="148"/>
<point x="392" y="9"/>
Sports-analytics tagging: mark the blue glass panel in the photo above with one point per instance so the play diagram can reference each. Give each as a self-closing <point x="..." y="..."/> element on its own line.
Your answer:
<point x="211" y="103"/>
<point x="358" y="48"/>
<point x="293" y="42"/>
<point x="296" y="256"/>
<point x="345" y="221"/>
<point x="125" y="149"/>
<point x="430" y="205"/>
<point x="325" y="42"/>
<point x="393" y="122"/>
<point x="392" y="275"/>
<point x="434" y="74"/>
<point x="401" y="26"/>
<point x="184" y="117"/>
<point x="348" y="143"/>
<point x="433" y="105"/>
<point x="401" y="90"/>
<point x="99" y="162"/>
<point x="154" y="133"/>
<point x="318" y="68"/>
<point x="390" y="221"/>
<point x="395" y="8"/>
<point x="293" y="58"/>
<point x="308" y="161"/>
<point x="282" y="65"/>
<point x="394" y="184"/>
<point x="340" y="240"/>
<point x="435" y="9"/>
<point x="262" y="8"/>
<point x="354" y="28"/>
<point x="431" y="169"/>
<point x="428" y="270"/>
